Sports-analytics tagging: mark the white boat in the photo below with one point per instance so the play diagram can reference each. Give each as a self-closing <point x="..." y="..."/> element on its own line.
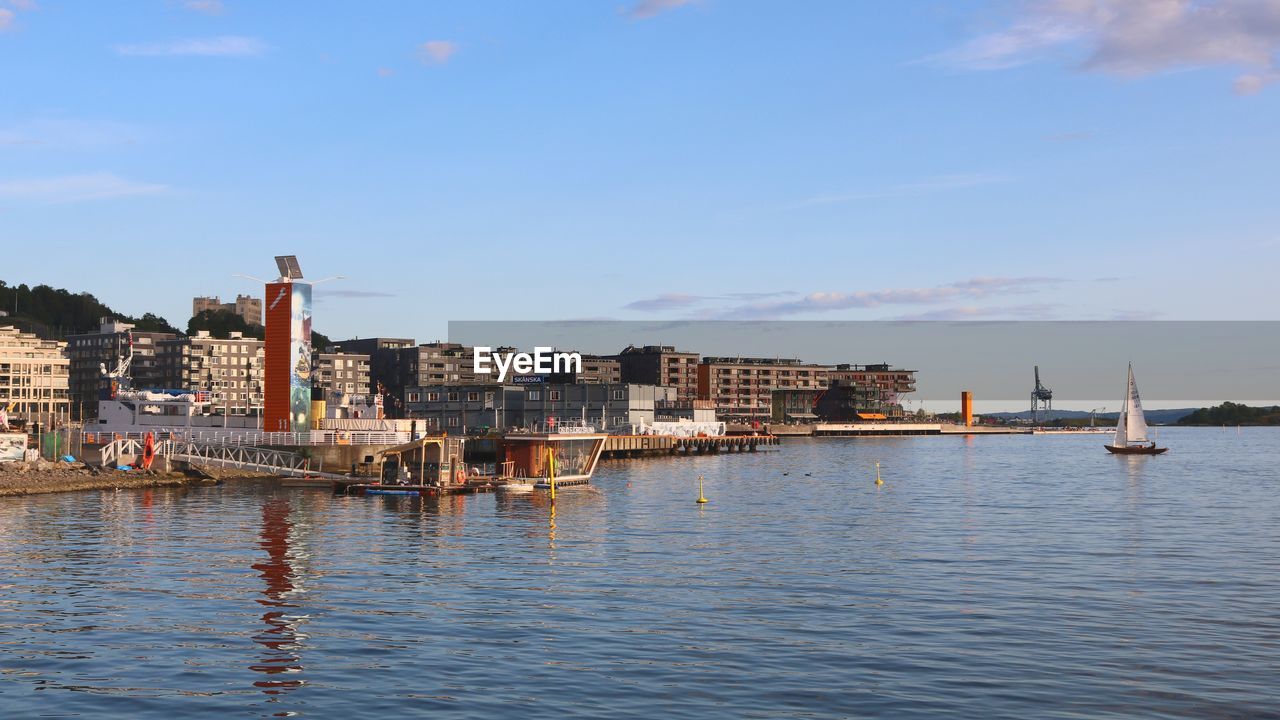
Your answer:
<point x="1131" y="429"/>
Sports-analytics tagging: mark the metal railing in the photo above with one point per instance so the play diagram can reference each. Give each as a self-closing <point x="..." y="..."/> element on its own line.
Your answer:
<point x="220" y="455"/>
<point x="255" y="437"/>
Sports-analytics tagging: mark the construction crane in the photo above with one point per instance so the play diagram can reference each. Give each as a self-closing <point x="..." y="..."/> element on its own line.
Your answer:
<point x="1093" y="414"/>
<point x="1041" y="398"/>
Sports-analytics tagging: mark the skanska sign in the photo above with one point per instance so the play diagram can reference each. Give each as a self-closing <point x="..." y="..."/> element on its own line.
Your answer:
<point x="542" y="361"/>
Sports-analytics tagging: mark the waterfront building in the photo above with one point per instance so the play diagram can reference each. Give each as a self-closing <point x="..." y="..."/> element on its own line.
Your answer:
<point x="606" y="406"/>
<point x="337" y="374"/>
<point x="34" y="376"/>
<point x="596" y="369"/>
<point x="887" y="384"/>
<point x="661" y="365"/>
<point x="854" y="393"/>
<point x="246" y="306"/>
<point x="384" y="358"/>
<point x="742" y="388"/>
<point x="89" y="353"/>
<point x="229" y="370"/>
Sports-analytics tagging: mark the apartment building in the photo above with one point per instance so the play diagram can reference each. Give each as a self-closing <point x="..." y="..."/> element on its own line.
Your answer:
<point x="230" y="370"/>
<point x="661" y="365"/>
<point x="34" y="376"/>
<point x="596" y="369"/>
<point x="384" y="358"/>
<point x="338" y="373"/>
<point x="886" y="383"/>
<point x="742" y="388"/>
<point x="88" y="353"/>
<point x="246" y="306"/>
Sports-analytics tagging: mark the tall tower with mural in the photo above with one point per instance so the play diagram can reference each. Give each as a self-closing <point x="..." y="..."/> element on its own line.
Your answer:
<point x="287" y="371"/>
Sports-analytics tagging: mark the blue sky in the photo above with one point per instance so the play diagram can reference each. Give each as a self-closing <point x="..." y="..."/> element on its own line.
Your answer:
<point x="1074" y="159"/>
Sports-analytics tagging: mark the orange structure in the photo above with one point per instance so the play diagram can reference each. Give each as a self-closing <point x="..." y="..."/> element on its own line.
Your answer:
<point x="287" y="367"/>
<point x="966" y="407"/>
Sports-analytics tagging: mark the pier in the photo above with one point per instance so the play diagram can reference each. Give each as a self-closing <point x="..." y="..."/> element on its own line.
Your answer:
<point x="628" y="446"/>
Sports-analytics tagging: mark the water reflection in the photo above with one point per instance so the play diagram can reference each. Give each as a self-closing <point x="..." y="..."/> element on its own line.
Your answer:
<point x="280" y="637"/>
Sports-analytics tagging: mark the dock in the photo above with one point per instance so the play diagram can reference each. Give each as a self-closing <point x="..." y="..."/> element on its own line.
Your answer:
<point x="627" y="446"/>
<point x="361" y="486"/>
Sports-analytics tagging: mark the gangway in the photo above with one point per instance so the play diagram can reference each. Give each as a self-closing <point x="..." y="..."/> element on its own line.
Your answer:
<point x="218" y="455"/>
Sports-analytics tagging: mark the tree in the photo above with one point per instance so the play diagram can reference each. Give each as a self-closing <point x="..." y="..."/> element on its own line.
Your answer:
<point x="221" y="323"/>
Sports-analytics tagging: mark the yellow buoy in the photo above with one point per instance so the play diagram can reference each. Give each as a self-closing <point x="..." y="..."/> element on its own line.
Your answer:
<point x="701" y="498"/>
<point x="551" y="473"/>
<point x="878" y="480"/>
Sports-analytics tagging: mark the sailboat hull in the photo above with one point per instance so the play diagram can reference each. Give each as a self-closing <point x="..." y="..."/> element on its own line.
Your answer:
<point x="1135" y="450"/>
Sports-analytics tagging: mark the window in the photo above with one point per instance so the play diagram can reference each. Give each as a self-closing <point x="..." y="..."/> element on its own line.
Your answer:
<point x="453" y="397"/>
<point x="453" y="422"/>
<point x="553" y="395"/>
<point x="433" y="397"/>
<point x="412" y="397"/>
<point x="535" y="395"/>
<point x="473" y="397"/>
<point x="619" y="395"/>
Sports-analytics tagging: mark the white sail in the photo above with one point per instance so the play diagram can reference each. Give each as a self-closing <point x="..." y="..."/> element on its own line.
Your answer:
<point x="1132" y="425"/>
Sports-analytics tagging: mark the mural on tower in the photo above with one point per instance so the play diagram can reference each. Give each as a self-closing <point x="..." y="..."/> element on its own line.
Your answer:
<point x="288" y="357"/>
<point x="300" y="357"/>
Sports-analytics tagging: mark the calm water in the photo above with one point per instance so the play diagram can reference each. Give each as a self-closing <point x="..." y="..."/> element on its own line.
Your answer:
<point x="999" y="576"/>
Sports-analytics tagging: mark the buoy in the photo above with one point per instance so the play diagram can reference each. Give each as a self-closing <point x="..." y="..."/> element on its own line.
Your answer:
<point x="878" y="480"/>
<point x="701" y="498"/>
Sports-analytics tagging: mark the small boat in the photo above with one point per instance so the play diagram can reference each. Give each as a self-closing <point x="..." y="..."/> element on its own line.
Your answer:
<point x="1131" y="429"/>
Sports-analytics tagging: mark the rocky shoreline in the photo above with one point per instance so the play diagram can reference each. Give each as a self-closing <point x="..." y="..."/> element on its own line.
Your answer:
<point x="34" y="478"/>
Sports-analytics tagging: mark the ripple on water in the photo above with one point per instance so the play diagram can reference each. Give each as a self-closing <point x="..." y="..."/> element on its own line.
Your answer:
<point x="999" y="576"/>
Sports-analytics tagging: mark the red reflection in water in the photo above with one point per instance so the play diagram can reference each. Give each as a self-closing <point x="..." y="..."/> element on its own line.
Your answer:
<point x="280" y="636"/>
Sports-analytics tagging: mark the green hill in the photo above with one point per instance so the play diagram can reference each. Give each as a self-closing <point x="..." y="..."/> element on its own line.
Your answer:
<point x="1229" y="413"/>
<point x="56" y="313"/>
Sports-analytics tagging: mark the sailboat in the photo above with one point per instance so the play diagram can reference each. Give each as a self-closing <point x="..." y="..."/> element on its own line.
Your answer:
<point x="1131" y="429"/>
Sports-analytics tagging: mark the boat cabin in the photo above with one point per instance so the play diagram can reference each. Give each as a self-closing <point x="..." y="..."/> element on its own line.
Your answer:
<point x="530" y="456"/>
<point x="433" y="460"/>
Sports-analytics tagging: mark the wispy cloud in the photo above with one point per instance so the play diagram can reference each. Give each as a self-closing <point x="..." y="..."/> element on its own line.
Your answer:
<point x="436" y="52"/>
<point x="781" y="304"/>
<point x="819" y="302"/>
<point x="680" y="301"/>
<point x="9" y="16"/>
<point x="667" y="301"/>
<point x="208" y="7"/>
<point x="385" y="72"/>
<point x="649" y="8"/>
<point x="938" y="183"/>
<point x="1035" y="311"/>
<point x="63" y="133"/>
<point x="1135" y="38"/>
<point x="75" y="188"/>
<point x="224" y="46"/>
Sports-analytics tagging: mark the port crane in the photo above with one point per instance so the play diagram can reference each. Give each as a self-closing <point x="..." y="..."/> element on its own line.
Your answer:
<point x="1041" y="398"/>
